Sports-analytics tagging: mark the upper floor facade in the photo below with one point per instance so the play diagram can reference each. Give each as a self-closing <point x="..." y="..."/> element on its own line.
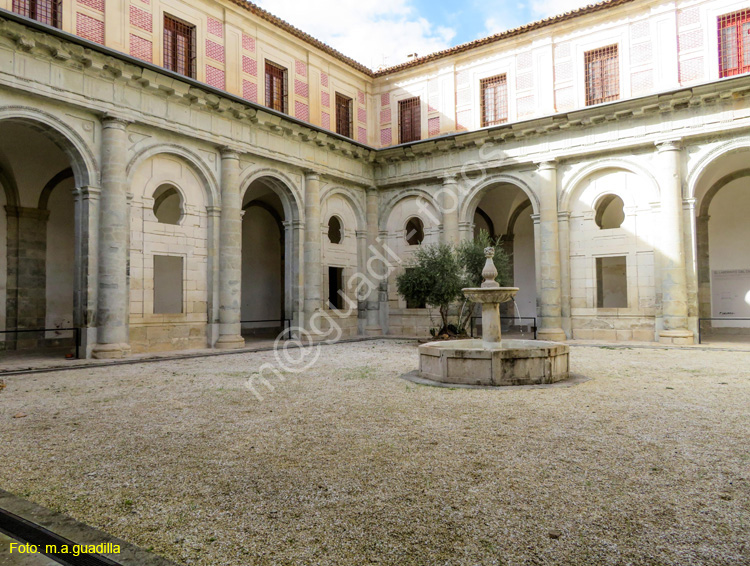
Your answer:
<point x="615" y="50"/>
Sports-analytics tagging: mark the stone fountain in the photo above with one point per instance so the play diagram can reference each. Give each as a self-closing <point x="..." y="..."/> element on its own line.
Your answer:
<point x="491" y="360"/>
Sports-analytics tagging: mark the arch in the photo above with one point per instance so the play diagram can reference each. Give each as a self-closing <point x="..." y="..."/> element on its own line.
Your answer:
<point x="601" y="205"/>
<point x="573" y="186"/>
<point x="335" y="229"/>
<point x="210" y="183"/>
<point x="717" y="186"/>
<point x="696" y="173"/>
<point x="488" y="220"/>
<point x="280" y="184"/>
<point x="50" y="186"/>
<point x="359" y="212"/>
<point x="414" y="230"/>
<point x="269" y="209"/>
<point x="515" y="215"/>
<point x="390" y="204"/>
<point x="161" y="194"/>
<point x="475" y="195"/>
<point x="10" y="188"/>
<point x="82" y="161"/>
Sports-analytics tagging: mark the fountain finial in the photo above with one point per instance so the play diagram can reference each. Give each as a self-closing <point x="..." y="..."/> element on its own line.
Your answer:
<point x="489" y="272"/>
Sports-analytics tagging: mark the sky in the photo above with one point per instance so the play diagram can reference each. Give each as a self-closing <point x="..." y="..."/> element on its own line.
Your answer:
<point x="386" y="32"/>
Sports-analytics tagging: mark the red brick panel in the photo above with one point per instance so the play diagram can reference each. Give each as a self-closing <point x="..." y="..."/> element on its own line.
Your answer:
<point x="141" y="19"/>
<point x="89" y="28"/>
<point x="249" y="91"/>
<point x="215" y="77"/>
<point x="215" y="27"/>
<point x="214" y="51"/>
<point x="250" y="66"/>
<point x="141" y="48"/>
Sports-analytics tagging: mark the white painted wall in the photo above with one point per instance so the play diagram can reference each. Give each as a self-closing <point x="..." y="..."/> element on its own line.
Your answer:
<point x="524" y="269"/>
<point x="261" y="268"/>
<point x="729" y="232"/>
<point x="60" y="256"/>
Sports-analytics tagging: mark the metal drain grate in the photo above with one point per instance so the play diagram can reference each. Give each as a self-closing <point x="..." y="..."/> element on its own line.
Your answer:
<point x="26" y="531"/>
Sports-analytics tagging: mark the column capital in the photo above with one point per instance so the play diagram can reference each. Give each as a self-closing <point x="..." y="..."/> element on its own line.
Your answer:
<point x="535" y="218"/>
<point x="112" y="121"/>
<point x="360" y="234"/>
<point x="546" y="165"/>
<point x="449" y="179"/>
<point x="670" y="145"/>
<point x="563" y="215"/>
<point x="87" y="193"/>
<point x="214" y="211"/>
<point x="372" y="189"/>
<point x="311" y="175"/>
<point x="228" y="152"/>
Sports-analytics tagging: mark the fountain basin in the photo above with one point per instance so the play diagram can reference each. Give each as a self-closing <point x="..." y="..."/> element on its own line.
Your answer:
<point x="515" y="362"/>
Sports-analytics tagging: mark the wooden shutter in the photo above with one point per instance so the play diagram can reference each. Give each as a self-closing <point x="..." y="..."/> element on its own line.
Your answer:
<point x="602" y="75"/>
<point x="494" y="100"/>
<point x="179" y="46"/>
<point x="734" y="44"/>
<point x="276" y="88"/>
<point x="409" y="120"/>
<point x="343" y="115"/>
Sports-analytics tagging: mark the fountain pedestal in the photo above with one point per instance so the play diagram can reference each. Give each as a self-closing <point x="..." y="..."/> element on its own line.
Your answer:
<point x="491" y="360"/>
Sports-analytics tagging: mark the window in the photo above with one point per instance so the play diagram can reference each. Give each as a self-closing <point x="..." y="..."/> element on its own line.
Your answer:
<point x="179" y="46"/>
<point x="494" y="93"/>
<point x="336" y="287"/>
<point x="611" y="282"/>
<point x="602" y="75"/>
<point x="45" y="11"/>
<point x="409" y="120"/>
<point x="167" y="205"/>
<point x="276" y="87"/>
<point x="734" y="44"/>
<point x="343" y="115"/>
<point x="167" y="284"/>
<point x="610" y="212"/>
<point x="414" y="231"/>
<point x="334" y="230"/>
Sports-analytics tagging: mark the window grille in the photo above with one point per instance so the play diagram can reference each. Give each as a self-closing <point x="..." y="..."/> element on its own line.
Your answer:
<point x="179" y="46"/>
<point x="409" y="120"/>
<point x="276" y="87"/>
<point x="343" y="115"/>
<point x="734" y="44"/>
<point x="494" y="92"/>
<point x="45" y="11"/>
<point x="602" y="75"/>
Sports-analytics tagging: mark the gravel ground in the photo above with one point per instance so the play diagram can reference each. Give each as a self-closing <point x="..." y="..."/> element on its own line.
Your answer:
<point x="646" y="463"/>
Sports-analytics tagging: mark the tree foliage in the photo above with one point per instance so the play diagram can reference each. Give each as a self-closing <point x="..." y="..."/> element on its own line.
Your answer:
<point x="438" y="272"/>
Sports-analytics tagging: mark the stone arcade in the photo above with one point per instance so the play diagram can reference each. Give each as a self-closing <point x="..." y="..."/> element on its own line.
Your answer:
<point x="143" y="204"/>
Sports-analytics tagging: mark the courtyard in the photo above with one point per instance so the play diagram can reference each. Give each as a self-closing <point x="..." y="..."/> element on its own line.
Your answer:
<point x="645" y="461"/>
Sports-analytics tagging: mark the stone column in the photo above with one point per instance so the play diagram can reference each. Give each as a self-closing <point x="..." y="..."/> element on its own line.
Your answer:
<point x="563" y="222"/>
<point x="449" y="205"/>
<point x="372" y="268"/>
<point x="87" y="200"/>
<point x="704" y="269"/>
<point x="312" y="267"/>
<point x="112" y="334"/>
<point x="230" y="253"/>
<point x="550" y="327"/>
<point x="673" y="275"/>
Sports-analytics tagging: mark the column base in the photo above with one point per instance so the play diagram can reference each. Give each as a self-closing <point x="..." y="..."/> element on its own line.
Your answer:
<point x="110" y="351"/>
<point x="676" y="337"/>
<point x="230" y="342"/>
<point x="551" y="334"/>
<point x="373" y="331"/>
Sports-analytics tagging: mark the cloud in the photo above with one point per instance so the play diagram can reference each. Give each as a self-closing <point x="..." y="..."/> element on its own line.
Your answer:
<point x="502" y="15"/>
<point x="372" y="32"/>
<point x="546" y="8"/>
